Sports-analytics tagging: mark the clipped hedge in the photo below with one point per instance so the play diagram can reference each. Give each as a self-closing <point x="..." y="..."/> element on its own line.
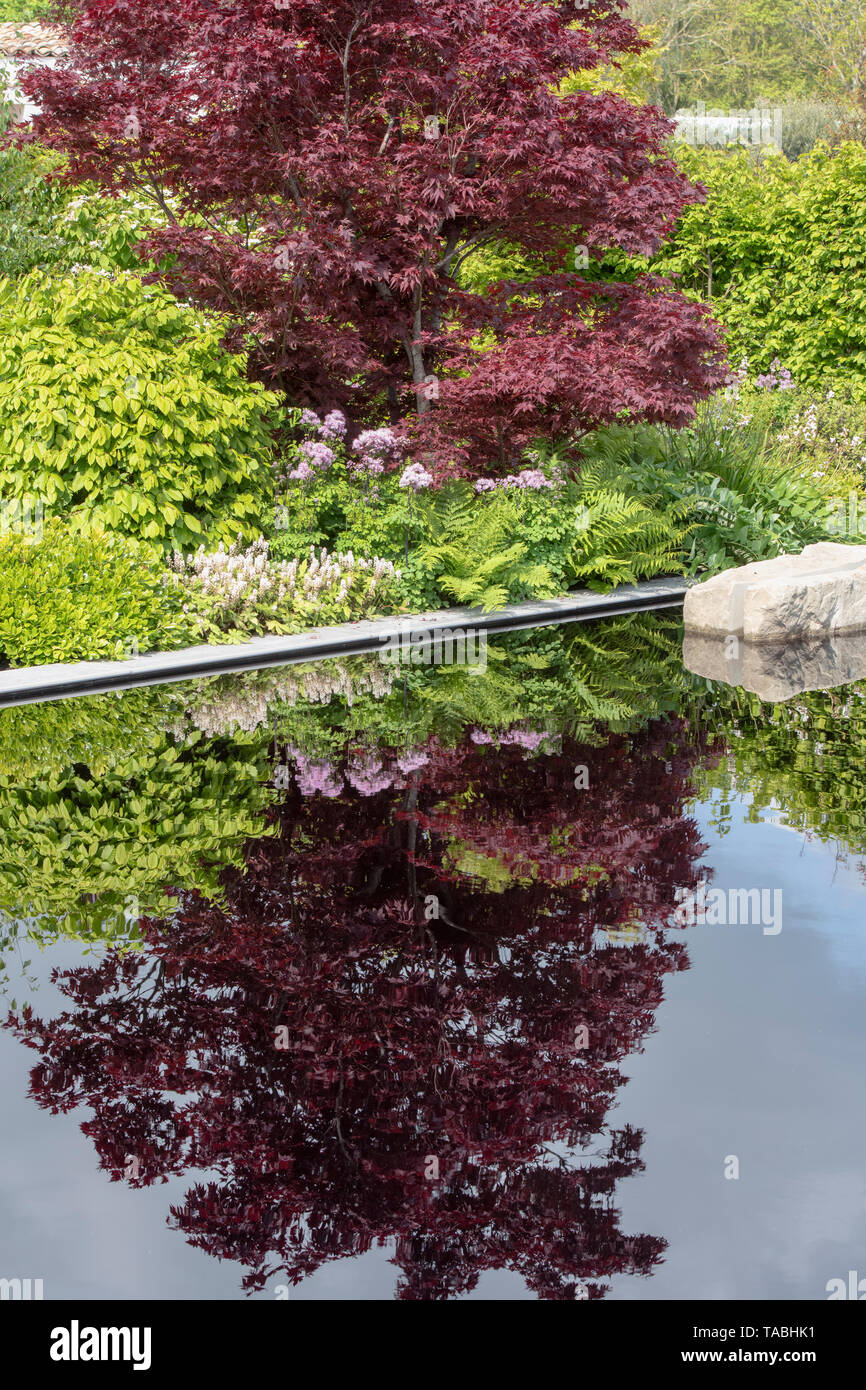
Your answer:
<point x="119" y="406"/>
<point x="779" y="251"/>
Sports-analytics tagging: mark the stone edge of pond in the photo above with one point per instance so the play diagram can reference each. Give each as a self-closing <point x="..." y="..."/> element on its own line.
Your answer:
<point x="62" y="680"/>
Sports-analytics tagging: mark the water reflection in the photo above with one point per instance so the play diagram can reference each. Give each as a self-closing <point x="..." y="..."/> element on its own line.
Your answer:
<point x="397" y="933"/>
<point x="776" y="672"/>
<point x="404" y="1021"/>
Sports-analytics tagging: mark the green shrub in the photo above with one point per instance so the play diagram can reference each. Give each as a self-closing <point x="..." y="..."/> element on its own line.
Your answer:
<point x="71" y="597"/>
<point x="734" y="504"/>
<point x="824" y="435"/>
<point x="118" y="406"/>
<point x="47" y="224"/>
<point x="779" y="250"/>
<point x="444" y="542"/>
<point x="30" y="208"/>
<point x="100" y="233"/>
<point x="24" y="10"/>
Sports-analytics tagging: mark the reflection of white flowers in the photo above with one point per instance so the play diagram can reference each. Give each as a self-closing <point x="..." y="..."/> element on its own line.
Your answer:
<point x="244" y="702"/>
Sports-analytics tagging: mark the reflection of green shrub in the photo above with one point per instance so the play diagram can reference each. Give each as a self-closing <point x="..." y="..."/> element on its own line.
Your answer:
<point x="804" y="758"/>
<point x="71" y="597"/>
<point x="94" y="729"/>
<point x="118" y="404"/>
<point x="80" y="845"/>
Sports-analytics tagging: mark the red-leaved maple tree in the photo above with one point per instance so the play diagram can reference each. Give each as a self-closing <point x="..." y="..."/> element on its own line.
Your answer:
<point x="323" y="168"/>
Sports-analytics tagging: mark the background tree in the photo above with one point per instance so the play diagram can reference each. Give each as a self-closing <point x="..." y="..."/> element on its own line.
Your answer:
<point x="733" y="52"/>
<point x="327" y="165"/>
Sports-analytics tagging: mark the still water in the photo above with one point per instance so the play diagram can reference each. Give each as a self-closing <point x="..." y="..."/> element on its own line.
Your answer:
<point x="368" y="981"/>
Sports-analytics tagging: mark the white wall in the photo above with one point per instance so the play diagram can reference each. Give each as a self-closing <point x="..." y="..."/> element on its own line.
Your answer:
<point x="9" y="70"/>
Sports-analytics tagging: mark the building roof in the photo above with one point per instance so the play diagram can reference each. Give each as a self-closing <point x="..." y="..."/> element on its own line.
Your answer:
<point x="32" y="41"/>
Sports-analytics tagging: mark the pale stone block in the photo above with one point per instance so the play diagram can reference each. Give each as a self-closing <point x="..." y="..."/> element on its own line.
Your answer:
<point x="816" y="593"/>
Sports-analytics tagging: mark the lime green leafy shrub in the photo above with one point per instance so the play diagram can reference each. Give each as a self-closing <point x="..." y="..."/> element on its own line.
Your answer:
<point x="71" y="597"/>
<point x="634" y="75"/>
<point x="118" y="405"/>
<point x="779" y="251"/>
<point x="24" y="10"/>
<point x="79" y="846"/>
<point x="97" y="730"/>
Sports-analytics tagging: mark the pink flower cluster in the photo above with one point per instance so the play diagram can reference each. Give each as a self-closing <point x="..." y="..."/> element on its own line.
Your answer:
<point x="375" y="449"/>
<point x="415" y="477"/>
<point x="778" y="377"/>
<point x="332" y="427"/>
<point x="532" y="478"/>
<point x="315" y="454"/>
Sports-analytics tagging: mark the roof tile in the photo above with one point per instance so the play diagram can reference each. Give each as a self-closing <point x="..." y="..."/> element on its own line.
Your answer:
<point x="32" y="41"/>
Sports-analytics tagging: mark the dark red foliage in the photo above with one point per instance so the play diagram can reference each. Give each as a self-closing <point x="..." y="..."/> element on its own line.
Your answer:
<point x="429" y="1089"/>
<point x="347" y="156"/>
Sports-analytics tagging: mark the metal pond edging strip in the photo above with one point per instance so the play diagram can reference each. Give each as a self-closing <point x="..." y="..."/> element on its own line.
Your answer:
<point x="32" y="684"/>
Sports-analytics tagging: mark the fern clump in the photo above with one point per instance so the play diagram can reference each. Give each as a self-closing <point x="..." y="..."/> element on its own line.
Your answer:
<point x="473" y="548"/>
<point x="622" y="539"/>
<point x="729" y="502"/>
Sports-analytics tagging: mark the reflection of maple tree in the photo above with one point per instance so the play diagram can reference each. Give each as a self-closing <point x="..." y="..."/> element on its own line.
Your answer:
<point x="353" y="1072"/>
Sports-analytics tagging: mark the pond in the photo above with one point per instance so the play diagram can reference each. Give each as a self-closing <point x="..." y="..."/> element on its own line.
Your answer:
<point x="538" y="977"/>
